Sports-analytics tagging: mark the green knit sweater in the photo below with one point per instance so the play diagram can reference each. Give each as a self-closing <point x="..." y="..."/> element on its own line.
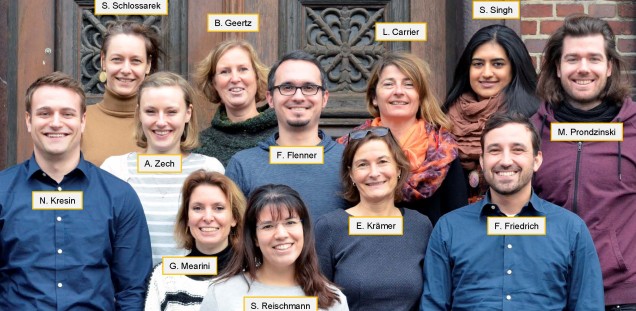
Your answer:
<point x="224" y="138"/>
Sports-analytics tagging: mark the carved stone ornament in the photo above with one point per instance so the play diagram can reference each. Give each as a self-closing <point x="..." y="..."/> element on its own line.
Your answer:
<point x="343" y="41"/>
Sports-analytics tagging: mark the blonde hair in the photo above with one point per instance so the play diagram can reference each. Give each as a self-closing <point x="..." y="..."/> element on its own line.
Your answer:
<point x="206" y="69"/>
<point x="418" y="71"/>
<point x="190" y="137"/>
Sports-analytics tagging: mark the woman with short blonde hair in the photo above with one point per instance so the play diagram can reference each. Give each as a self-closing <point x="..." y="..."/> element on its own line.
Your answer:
<point x="233" y="76"/>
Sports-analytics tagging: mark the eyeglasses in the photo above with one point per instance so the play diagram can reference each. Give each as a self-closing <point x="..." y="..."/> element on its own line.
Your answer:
<point x="379" y="131"/>
<point x="290" y="90"/>
<point x="270" y="226"/>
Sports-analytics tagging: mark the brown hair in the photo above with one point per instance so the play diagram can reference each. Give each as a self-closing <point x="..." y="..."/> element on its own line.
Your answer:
<point x="549" y="86"/>
<point x="498" y="120"/>
<point x="350" y="192"/>
<point x="57" y="79"/>
<point x="234" y="197"/>
<point x="247" y="255"/>
<point x="418" y="71"/>
<point x="206" y="69"/>
<point x="190" y="137"/>
<point x="150" y="36"/>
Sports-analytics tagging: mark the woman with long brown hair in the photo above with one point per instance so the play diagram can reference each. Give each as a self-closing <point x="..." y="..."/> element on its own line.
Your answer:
<point x="275" y="255"/>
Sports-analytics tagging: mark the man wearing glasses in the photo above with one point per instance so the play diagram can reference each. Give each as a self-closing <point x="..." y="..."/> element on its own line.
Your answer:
<point x="297" y="93"/>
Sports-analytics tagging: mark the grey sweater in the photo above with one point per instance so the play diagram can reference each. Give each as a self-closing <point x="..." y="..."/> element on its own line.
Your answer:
<point x="374" y="272"/>
<point x="228" y="295"/>
<point x="318" y="184"/>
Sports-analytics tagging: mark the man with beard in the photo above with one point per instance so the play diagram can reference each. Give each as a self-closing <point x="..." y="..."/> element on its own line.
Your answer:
<point x="472" y="264"/>
<point x="583" y="81"/>
<point x="298" y="93"/>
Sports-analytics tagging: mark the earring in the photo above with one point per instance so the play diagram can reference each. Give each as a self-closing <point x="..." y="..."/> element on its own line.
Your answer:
<point x="354" y="184"/>
<point x="102" y="77"/>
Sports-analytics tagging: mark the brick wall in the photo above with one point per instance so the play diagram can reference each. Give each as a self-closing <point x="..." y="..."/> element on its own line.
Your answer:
<point x="540" y="18"/>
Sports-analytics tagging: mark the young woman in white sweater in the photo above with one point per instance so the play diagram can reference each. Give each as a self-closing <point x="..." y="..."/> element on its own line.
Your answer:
<point x="165" y="125"/>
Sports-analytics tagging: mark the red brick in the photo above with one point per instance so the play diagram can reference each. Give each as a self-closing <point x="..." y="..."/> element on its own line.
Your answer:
<point x="548" y="27"/>
<point x="623" y="27"/>
<point x="602" y="10"/>
<point x="626" y="45"/>
<point x="536" y="10"/>
<point x="630" y="61"/>
<point x="535" y="45"/>
<point x="567" y="9"/>
<point x="627" y="10"/>
<point x="536" y="60"/>
<point x="528" y="28"/>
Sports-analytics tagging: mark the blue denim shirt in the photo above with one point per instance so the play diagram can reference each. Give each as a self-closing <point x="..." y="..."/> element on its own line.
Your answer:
<point x="465" y="269"/>
<point x="97" y="258"/>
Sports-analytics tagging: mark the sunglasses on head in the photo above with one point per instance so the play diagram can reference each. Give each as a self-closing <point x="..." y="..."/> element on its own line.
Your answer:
<point x="377" y="131"/>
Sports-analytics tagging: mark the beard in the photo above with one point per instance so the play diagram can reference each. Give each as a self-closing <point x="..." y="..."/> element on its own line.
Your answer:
<point x="510" y="188"/>
<point x="298" y="123"/>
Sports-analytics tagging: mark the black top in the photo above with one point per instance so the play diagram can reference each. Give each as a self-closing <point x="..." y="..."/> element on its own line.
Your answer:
<point x="451" y="195"/>
<point x="223" y="258"/>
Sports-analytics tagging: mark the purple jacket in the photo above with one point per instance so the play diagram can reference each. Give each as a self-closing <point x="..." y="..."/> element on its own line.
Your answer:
<point x="597" y="181"/>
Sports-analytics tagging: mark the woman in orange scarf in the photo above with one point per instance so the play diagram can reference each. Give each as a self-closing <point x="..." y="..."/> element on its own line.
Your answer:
<point x="399" y="97"/>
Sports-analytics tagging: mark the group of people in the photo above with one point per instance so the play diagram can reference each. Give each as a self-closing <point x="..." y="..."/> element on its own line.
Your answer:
<point x="445" y="168"/>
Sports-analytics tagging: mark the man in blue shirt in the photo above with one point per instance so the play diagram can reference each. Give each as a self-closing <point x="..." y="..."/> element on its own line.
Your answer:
<point x="72" y="236"/>
<point x="472" y="264"/>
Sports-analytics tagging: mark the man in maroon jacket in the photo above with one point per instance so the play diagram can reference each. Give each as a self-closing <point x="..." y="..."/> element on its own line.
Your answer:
<point x="582" y="80"/>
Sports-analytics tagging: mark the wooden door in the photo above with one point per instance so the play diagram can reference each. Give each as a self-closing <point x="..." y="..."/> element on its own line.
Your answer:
<point x="340" y="34"/>
<point x="65" y="35"/>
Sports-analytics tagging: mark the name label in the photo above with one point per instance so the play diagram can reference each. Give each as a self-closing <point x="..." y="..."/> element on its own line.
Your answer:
<point x="280" y="303"/>
<point x="516" y="226"/>
<point x="181" y="265"/>
<point x="584" y="131"/>
<point x="159" y="163"/>
<point x="297" y="155"/>
<point x="233" y="22"/>
<point x="381" y="225"/>
<point x="131" y="7"/>
<point x="57" y="200"/>
<point x="400" y="31"/>
<point x="496" y="10"/>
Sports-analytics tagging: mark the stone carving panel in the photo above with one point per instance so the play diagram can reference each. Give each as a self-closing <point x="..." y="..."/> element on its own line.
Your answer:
<point x="343" y="40"/>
